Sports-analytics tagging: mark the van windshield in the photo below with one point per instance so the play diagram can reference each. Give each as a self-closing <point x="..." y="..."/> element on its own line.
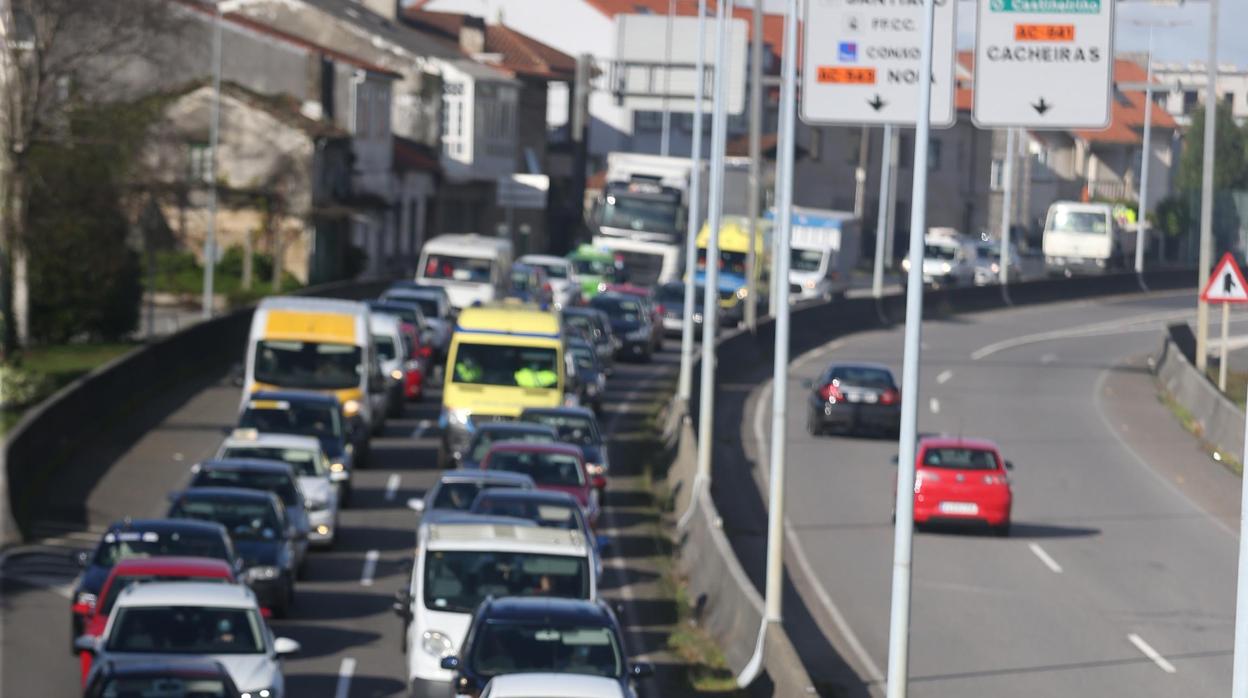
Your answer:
<point x="939" y="252"/>
<point x="474" y="270"/>
<point x="386" y="351"/>
<point x="316" y="365"/>
<point x="729" y="262"/>
<point x="1087" y="222"/>
<point x="458" y="580"/>
<point x="805" y="260"/>
<point x="494" y="364"/>
<point x="591" y="266"/>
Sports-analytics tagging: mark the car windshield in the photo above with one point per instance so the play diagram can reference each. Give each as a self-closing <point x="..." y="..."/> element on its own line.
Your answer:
<point x="386" y="350"/>
<point x="428" y="304"/>
<point x="553" y="270"/>
<point x="620" y="309"/>
<point x="474" y="270"/>
<point x="1079" y="222"/>
<point x="572" y="428"/>
<point x="457" y="496"/>
<point x="484" y="439"/>
<point x="127" y="544"/>
<point x="544" y="514"/>
<point x="669" y="294"/>
<point x="960" y="458"/>
<point x="404" y="313"/>
<point x="295" y="364"/>
<point x="508" y="648"/>
<point x="521" y="279"/>
<point x="729" y="262"/>
<point x="279" y="417"/>
<point x="645" y="214"/>
<point x="277" y="483"/>
<point x="593" y="266"/>
<point x="187" y="630"/>
<point x="805" y="260"/>
<point x="496" y="364"/>
<point x="251" y="520"/>
<point x="943" y="252"/>
<point x="581" y="322"/>
<point x="119" y="583"/>
<point x="584" y="358"/>
<point x="305" y="463"/>
<point x="162" y="686"/>
<point x="861" y="376"/>
<point x="458" y="580"/>
<point x="545" y="468"/>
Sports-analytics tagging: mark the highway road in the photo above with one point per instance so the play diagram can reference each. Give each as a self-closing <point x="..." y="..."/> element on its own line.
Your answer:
<point x="1119" y="577"/>
<point x="342" y="614"/>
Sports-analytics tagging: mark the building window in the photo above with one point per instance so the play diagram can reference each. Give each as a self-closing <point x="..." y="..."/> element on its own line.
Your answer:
<point x="381" y="112"/>
<point x="933" y="155"/>
<point x="453" y="119"/>
<point x="199" y="162"/>
<point x="996" y="174"/>
<point x="364" y="110"/>
<point x="647" y="121"/>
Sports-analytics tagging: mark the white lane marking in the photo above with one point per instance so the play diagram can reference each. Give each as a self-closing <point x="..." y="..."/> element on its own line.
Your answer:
<point x="421" y="427"/>
<point x="1151" y="653"/>
<point x="934" y="405"/>
<point x="1048" y="359"/>
<point x="345" y="671"/>
<point x="392" y="486"/>
<point x="1141" y="323"/>
<point x="944" y="376"/>
<point x="1045" y="558"/>
<point x="370" y="568"/>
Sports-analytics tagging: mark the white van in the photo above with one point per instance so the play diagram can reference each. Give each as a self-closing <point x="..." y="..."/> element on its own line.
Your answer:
<point x="472" y="268"/>
<point x="460" y="564"/>
<point x="824" y="250"/>
<point x="1084" y="238"/>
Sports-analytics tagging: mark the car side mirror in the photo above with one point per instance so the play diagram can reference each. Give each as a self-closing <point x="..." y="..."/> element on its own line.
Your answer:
<point x="1009" y="465"/>
<point x="403" y="605"/>
<point x="86" y="643"/>
<point x="416" y="504"/>
<point x="642" y="670"/>
<point x="283" y="646"/>
<point x="82" y="557"/>
<point x="338" y="476"/>
<point x="450" y="663"/>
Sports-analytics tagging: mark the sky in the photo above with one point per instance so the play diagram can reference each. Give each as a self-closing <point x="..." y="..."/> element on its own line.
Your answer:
<point x="1187" y="42"/>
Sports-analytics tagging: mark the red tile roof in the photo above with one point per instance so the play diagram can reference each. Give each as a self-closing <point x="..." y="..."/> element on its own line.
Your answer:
<point x="520" y="54"/>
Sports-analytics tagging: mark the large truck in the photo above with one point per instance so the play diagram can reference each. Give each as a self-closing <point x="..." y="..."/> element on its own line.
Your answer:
<point x="825" y="246"/>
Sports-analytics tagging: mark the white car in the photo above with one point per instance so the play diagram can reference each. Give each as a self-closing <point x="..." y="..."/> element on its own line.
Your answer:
<point x="543" y="685"/>
<point x="560" y="273"/>
<point x="392" y="354"/>
<point x="948" y="259"/>
<point x="161" y="620"/>
<point x="460" y="564"/>
<point x="320" y="484"/>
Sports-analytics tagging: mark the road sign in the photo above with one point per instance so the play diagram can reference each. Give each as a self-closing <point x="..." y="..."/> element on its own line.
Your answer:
<point x="526" y="191"/>
<point x="1043" y="64"/>
<point x="641" y="79"/>
<point x="1226" y="284"/>
<point x="861" y="62"/>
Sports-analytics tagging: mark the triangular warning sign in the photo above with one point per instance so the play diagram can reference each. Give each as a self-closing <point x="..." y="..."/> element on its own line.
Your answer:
<point x="1227" y="284"/>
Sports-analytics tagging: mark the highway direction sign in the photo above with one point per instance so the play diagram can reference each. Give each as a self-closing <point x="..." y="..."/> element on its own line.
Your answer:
<point x="861" y="62"/>
<point x="1226" y="284"/>
<point x="1042" y="64"/>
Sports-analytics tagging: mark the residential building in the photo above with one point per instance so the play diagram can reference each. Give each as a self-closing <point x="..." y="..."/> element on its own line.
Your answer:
<point x="1184" y="88"/>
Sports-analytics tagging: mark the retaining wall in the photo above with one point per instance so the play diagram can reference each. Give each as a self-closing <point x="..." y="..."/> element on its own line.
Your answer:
<point x="1220" y="420"/>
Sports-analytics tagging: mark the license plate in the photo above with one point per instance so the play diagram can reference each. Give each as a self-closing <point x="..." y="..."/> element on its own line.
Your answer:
<point x="959" y="508"/>
<point x="869" y="398"/>
<point x="1074" y="260"/>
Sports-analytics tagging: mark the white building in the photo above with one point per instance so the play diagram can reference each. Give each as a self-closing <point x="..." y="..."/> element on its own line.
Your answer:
<point x="1187" y="91"/>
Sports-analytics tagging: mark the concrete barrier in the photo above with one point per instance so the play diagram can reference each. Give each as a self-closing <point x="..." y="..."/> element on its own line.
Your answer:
<point x="112" y="398"/>
<point x="1219" y="420"/>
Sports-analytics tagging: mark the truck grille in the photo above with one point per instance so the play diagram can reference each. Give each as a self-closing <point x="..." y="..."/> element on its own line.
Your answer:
<point x="642" y="269"/>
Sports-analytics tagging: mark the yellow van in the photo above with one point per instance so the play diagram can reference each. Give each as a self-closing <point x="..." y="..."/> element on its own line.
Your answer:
<point x="503" y="358"/>
<point x="317" y="344"/>
<point x="734" y="246"/>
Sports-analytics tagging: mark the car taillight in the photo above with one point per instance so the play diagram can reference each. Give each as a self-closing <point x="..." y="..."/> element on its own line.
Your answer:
<point x="890" y="397"/>
<point x="922" y="476"/>
<point x="996" y="479"/>
<point x="662" y="310"/>
<point x="425" y="351"/>
<point x="831" y="393"/>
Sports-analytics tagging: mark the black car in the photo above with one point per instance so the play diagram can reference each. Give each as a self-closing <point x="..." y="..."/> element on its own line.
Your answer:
<point x="577" y="426"/>
<point x="144" y="538"/>
<point x="540" y="634"/>
<point x="592" y="379"/>
<point x="490" y="432"/>
<point x="201" y="678"/>
<point x="345" y="441"/>
<point x="672" y="297"/>
<point x="854" y="397"/>
<point x="261" y="531"/>
<point x="268" y="476"/>
<point x="597" y="327"/>
<point x="630" y="322"/>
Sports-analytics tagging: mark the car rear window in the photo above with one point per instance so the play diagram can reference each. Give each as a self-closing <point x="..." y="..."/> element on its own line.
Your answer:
<point x="960" y="458"/>
<point x="861" y="376"/>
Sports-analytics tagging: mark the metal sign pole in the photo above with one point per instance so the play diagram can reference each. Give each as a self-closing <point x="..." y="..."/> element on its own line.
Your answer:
<point x="685" y="387"/>
<point x="881" y="221"/>
<point x="1226" y="339"/>
<point x="1007" y="191"/>
<point x="214" y="136"/>
<point x="710" y="298"/>
<point x="903" y="530"/>
<point x="756" y="165"/>
<point x="1206" y="217"/>
<point x="1141" y="221"/>
<point x="665" y="143"/>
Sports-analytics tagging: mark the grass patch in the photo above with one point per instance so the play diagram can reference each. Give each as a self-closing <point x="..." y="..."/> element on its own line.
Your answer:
<point x="1236" y="384"/>
<point x="50" y="368"/>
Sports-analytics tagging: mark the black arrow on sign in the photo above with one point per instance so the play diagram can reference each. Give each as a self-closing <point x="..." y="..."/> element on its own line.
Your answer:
<point x="876" y="103"/>
<point x="1228" y="284"/>
<point x="1041" y="107"/>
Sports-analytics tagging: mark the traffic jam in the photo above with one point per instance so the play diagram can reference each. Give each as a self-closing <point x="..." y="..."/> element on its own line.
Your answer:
<point x="508" y="558"/>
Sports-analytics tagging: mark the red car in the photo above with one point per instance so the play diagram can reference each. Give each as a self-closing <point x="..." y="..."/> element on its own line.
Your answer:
<point x="148" y="569"/>
<point x="962" y="480"/>
<point x="557" y="467"/>
<point x="417" y="362"/>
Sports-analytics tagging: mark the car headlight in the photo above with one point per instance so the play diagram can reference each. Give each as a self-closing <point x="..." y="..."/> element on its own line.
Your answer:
<point x="996" y="268"/>
<point x="85" y="600"/>
<point x="905" y="264"/>
<point x="436" y="644"/>
<point x="262" y="573"/>
<point x="259" y="693"/>
<point x="337" y="467"/>
<point x="1100" y="263"/>
<point x="461" y="418"/>
<point x="742" y="293"/>
<point x="596" y="469"/>
<point x="350" y="408"/>
<point x="396" y="374"/>
<point x="946" y="267"/>
<point x="810" y="284"/>
<point x="697" y="317"/>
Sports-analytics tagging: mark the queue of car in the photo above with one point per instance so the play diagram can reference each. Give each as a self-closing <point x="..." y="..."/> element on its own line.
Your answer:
<point x="506" y="552"/>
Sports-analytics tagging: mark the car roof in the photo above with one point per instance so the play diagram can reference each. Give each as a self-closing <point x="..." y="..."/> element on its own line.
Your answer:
<point x="522" y="608"/>
<point x="552" y="685"/>
<point x="564" y="411"/>
<point x="294" y="396"/>
<point x="184" y="667"/>
<point x="520" y="535"/>
<point x="442" y="517"/>
<point x="173" y="564"/>
<point x="518" y="427"/>
<point x="508" y="320"/>
<point x="244" y="438"/>
<point x="187" y="593"/>
<point x="165" y="526"/>
<point x="614" y="295"/>
<point x="312" y="304"/>
<point x="535" y="496"/>
<point x="235" y="493"/>
<point x="582" y="310"/>
<point x="858" y="364"/>
<point x="483" y="476"/>
<point x="250" y="465"/>
<point x="536" y="447"/>
<point x="956" y="442"/>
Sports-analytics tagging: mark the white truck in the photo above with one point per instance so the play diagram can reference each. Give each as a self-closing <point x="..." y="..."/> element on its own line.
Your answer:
<point x="825" y="247"/>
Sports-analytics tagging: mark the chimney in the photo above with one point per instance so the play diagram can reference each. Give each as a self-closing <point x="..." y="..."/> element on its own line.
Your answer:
<point x="472" y="35"/>
<point x="386" y="8"/>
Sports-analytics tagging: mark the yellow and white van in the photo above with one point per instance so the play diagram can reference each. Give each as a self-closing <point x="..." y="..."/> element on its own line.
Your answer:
<point x="503" y="358"/>
<point x="319" y="344"/>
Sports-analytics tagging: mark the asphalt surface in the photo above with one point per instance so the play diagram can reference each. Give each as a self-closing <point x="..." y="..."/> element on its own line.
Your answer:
<point x="342" y="613"/>
<point x="1119" y="577"/>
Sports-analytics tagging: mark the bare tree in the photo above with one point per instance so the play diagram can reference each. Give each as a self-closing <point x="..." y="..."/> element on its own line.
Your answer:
<point x="56" y="55"/>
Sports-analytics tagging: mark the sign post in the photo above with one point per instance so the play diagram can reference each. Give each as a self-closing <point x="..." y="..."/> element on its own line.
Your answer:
<point x="1226" y="286"/>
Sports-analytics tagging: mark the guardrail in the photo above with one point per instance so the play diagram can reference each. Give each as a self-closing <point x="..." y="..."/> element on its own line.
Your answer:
<point x="112" y="398"/>
<point x="732" y="521"/>
<point x="1219" y="419"/>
